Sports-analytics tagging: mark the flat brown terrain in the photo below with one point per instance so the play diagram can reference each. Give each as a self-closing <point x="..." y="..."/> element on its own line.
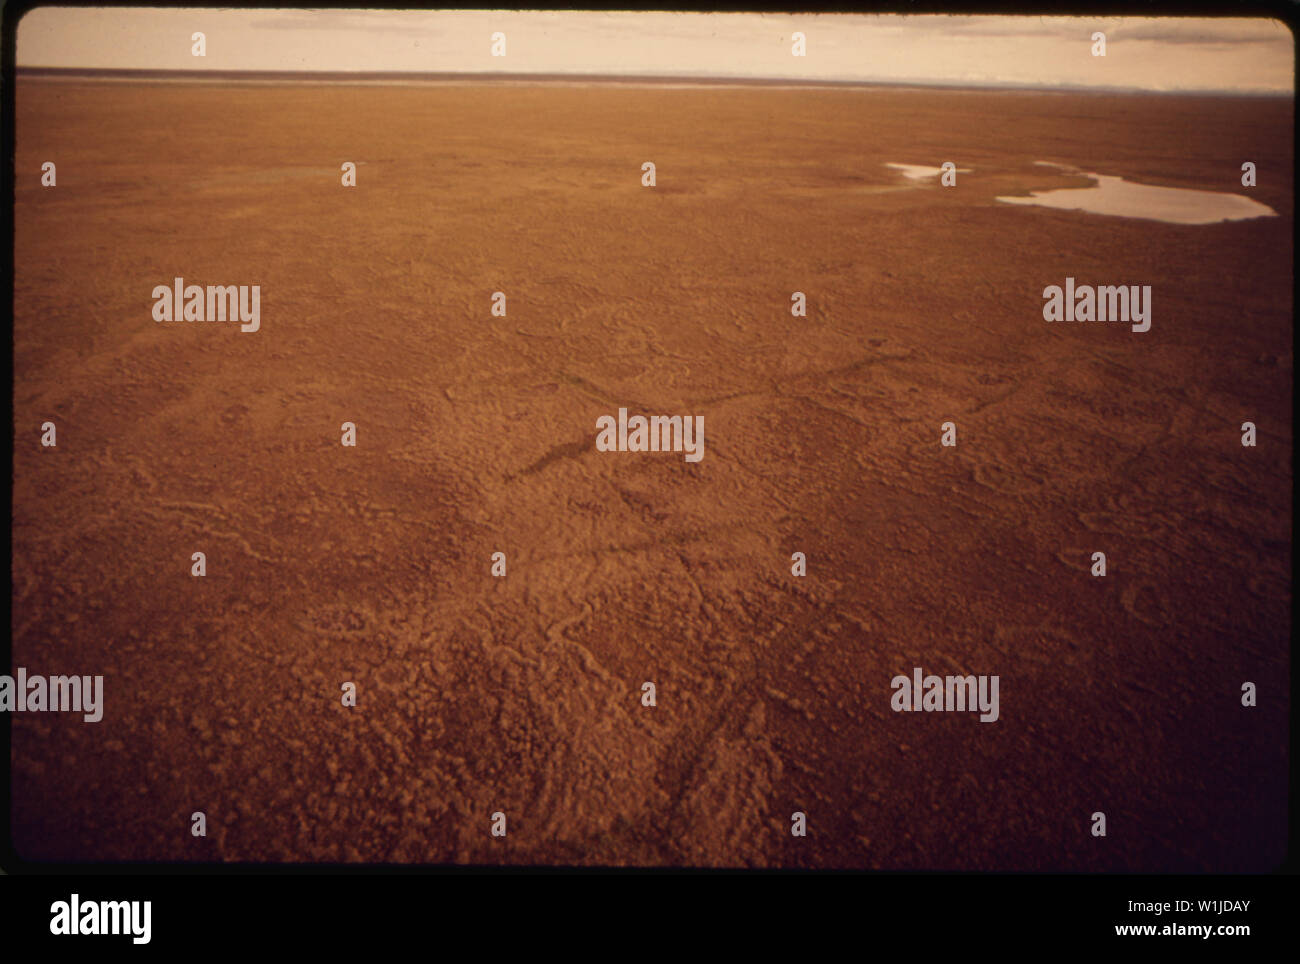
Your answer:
<point x="476" y="435"/>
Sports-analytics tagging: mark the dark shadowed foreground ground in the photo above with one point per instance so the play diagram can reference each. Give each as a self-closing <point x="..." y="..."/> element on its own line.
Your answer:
<point x="476" y="435"/>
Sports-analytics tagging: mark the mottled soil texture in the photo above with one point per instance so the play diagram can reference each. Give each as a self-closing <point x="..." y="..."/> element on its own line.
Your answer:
<point x="476" y="434"/>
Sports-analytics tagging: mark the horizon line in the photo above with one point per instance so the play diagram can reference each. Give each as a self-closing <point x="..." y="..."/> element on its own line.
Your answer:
<point x="380" y="76"/>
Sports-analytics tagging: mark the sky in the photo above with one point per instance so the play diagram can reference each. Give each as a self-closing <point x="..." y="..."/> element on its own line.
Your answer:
<point x="1240" y="55"/>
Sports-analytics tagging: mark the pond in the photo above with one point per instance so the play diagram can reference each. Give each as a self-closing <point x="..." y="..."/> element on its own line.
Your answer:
<point x="1120" y="198"/>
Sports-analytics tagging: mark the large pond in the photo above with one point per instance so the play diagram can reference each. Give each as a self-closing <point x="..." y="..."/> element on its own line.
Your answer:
<point x="1120" y="198"/>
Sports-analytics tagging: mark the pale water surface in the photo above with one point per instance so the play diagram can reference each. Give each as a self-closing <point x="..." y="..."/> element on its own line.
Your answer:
<point x="1120" y="198"/>
<point x="918" y="172"/>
